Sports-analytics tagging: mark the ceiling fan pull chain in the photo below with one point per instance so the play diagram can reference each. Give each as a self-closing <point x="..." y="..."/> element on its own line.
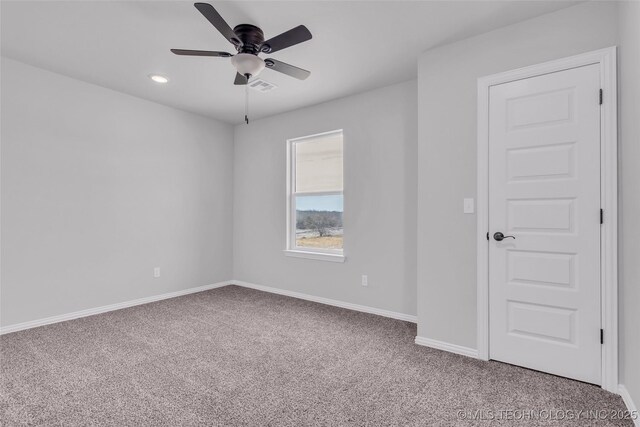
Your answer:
<point x="246" y="101"/>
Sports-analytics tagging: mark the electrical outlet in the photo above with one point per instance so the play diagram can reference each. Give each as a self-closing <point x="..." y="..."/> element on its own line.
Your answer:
<point x="365" y="280"/>
<point x="156" y="272"/>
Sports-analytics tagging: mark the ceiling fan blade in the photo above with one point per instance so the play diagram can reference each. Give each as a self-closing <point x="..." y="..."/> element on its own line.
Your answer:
<point x="289" y="38"/>
<point x="240" y="79"/>
<point x="217" y="21"/>
<point x="287" y="69"/>
<point x="201" y="53"/>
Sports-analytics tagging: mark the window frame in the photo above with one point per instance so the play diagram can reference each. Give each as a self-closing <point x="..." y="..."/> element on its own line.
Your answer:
<point x="336" y="255"/>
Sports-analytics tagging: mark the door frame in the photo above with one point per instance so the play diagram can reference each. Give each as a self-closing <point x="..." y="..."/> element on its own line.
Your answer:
<point x="606" y="58"/>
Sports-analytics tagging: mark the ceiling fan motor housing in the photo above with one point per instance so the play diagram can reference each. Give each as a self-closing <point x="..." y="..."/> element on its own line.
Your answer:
<point x="252" y="38"/>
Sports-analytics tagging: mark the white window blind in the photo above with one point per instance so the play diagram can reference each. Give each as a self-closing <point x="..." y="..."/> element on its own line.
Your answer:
<point x="319" y="164"/>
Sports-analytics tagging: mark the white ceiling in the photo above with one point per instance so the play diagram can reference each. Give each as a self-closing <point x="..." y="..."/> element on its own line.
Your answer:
<point x="356" y="45"/>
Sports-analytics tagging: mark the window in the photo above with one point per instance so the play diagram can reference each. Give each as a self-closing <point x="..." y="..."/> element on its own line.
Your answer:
<point x="315" y="199"/>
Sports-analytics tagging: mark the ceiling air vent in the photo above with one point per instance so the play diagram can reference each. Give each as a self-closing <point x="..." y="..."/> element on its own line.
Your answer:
<point x="262" y="85"/>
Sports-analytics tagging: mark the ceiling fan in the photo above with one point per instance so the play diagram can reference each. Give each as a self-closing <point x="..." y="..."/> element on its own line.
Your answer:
<point x="248" y="40"/>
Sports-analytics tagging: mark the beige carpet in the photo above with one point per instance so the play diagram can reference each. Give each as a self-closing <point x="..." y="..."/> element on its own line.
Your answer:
<point x="234" y="356"/>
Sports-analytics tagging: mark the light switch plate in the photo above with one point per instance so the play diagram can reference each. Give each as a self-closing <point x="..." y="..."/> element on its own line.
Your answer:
<point x="469" y="206"/>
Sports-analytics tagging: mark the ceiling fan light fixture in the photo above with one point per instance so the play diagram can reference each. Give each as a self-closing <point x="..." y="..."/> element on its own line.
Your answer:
<point x="247" y="63"/>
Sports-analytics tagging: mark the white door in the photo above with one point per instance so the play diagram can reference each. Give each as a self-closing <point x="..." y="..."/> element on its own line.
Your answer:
<point x="544" y="190"/>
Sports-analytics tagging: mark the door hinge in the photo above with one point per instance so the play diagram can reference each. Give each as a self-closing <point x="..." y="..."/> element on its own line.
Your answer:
<point x="601" y="216"/>
<point x="600" y="96"/>
<point x="601" y="336"/>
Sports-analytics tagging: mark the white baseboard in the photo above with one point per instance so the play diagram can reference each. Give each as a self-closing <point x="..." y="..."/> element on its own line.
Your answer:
<point x="631" y="406"/>
<point x="451" y="348"/>
<point x="97" y="310"/>
<point x="327" y="301"/>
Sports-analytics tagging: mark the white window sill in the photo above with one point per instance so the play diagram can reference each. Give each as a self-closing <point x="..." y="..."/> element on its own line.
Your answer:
<point x="315" y="255"/>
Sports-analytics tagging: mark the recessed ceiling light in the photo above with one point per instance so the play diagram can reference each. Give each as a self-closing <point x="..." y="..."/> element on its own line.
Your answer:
<point x="158" y="78"/>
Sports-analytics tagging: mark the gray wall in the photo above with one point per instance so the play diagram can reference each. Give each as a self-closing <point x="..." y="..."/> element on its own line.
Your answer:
<point x="447" y="86"/>
<point x="380" y="136"/>
<point x="98" y="188"/>
<point x="629" y="163"/>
